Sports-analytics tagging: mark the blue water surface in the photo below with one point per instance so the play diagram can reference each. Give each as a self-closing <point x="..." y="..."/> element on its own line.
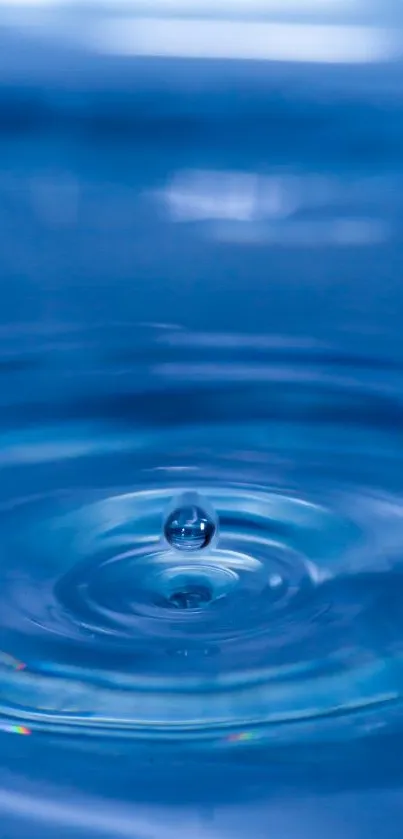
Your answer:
<point x="201" y="519"/>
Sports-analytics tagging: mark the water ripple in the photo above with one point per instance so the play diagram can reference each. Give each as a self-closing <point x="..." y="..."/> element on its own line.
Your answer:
<point x="292" y="630"/>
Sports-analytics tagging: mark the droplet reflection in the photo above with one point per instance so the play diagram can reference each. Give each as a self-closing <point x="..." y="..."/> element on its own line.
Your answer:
<point x="191" y="596"/>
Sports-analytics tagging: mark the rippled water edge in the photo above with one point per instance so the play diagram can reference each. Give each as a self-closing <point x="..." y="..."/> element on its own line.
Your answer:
<point x="307" y="438"/>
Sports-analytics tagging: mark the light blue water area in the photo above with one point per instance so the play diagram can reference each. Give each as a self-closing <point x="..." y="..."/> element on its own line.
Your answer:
<point x="201" y="414"/>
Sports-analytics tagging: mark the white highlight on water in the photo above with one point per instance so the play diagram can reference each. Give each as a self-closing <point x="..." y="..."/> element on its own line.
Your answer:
<point x="243" y="40"/>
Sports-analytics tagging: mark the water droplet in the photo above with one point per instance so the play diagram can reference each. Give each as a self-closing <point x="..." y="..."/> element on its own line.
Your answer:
<point x="189" y="527"/>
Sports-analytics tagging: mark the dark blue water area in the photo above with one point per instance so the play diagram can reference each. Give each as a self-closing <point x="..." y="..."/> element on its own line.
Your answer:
<point x="201" y="411"/>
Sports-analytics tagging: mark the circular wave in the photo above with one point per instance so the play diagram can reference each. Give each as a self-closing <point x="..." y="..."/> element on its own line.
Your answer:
<point x="284" y="624"/>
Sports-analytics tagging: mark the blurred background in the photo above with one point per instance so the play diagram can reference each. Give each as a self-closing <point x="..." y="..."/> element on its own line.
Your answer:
<point x="170" y="162"/>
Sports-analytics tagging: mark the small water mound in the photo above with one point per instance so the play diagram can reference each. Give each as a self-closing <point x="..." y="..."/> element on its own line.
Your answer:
<point x="190" y="596"/>
<point x="190" y="587"/>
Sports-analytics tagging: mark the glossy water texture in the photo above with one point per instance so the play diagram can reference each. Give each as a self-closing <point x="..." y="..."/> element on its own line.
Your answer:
<point x="201" y="445"/>
<point x="286" y="627"/>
